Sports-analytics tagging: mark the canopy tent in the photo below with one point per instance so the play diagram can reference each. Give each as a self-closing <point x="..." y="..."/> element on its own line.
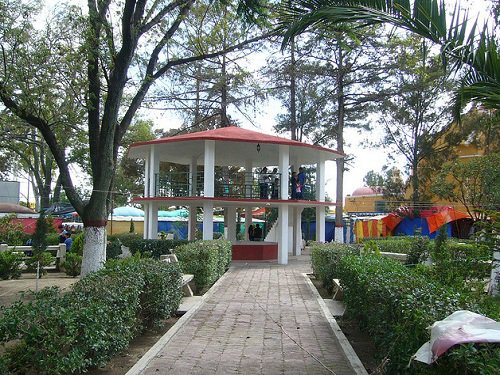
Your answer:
<point x="427" y="223"/>
<point x="128" y="211"/>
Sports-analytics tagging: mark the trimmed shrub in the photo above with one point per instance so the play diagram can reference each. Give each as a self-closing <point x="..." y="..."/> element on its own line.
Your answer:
<point x="69" y="333"/>
<point x="398" y="244"/>
<point x="73" y="264"/>
<point x="10" y="262"/>
<point x="154" y="247"/>
<point x="40" y="259"/>
<point x="77" y="244"/>
<point x="206" y="260"/>
<point x="325" y="258"/>
<point x="396" y="306"/>
<point x="113" y="248"/>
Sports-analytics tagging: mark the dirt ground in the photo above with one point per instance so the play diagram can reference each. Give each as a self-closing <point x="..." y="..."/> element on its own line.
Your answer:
<point x="11" y="291"/>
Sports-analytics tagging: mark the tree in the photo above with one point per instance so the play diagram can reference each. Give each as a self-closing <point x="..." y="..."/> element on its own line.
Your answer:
<point x="389" y="183"/>
<point x="416" y="111"/>
<point x="474" y="183"/>
<point x="461" y="43"/>
<point x="335" y="83"/>
<point x="208" y="91"/>
<point x="106" y="68"/>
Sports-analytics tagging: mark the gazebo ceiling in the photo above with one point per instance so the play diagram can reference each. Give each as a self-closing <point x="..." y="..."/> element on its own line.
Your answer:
<point x="233" y="146"/>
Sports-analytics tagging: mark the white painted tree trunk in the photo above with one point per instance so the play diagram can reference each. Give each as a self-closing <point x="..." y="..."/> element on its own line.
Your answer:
<point x="339" y="234"/>
<point x="94" y="249"/>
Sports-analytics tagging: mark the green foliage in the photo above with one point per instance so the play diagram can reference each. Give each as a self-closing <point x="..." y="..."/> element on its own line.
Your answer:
<point x="11" y="232"/>
<point x="400" y="244"/>
<point x="474" y="183"/>
<point x="460" y="265"/>
<point x="325" y="258"/>
<point x="73" y="264"/>
<point x="10" y="262"/>
<point x="154" y="247"/>
<point x="396" y="306"/>
<point x="62" y="333"/>
<point x="419" y="250"/>
<point x="52" y="239"/>
<point x="132" y="227"/>
<point x="206" y="260"/>
<point x="113" y="248"/>
<point x="41" y="259"/>
<point x="125" y="238"/>
<point x="40" y="236"/>
<point x="77" y="244"/>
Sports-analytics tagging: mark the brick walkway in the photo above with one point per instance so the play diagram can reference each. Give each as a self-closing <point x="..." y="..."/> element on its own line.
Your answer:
<point x="260" y="318"/>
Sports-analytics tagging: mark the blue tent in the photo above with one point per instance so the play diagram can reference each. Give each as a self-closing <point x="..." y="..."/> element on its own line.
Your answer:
<point x="417" y="225"/>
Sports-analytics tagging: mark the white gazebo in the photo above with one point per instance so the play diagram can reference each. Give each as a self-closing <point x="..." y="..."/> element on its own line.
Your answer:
<point x="199" y="186"/>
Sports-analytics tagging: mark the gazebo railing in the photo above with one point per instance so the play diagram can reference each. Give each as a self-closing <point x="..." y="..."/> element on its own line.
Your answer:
<point x="243" y="185"/>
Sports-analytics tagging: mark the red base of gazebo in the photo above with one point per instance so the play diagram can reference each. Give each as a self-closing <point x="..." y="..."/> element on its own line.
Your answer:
<point x="255" y="250"/>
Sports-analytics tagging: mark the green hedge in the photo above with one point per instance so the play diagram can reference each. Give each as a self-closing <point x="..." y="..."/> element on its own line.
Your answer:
<point x="396" y="306"/>
<point x="154" y="247"/>
<point x="206" y="260"/>
<point x="325" y="258"/>
<point x="66" y="333"/>
<point x="398" y="244"/>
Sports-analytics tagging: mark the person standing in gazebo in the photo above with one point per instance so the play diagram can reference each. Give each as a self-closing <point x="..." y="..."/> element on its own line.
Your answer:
<point x="263" y="183"/>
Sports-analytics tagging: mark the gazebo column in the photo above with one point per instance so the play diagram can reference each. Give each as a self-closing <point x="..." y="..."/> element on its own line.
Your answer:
<point x="151" y="169"/>
<point x="284" y="161"/>
<point x="208" y="187"/>
<point x="230" y="217"/>
<point x="209" y="170"/>
<point x="208" y="221"/>
<point x="192" y="223"/>
<point x="320" y="196"/>
<point x="283" y="211"/>
<point x="152" y="218"/>
<point x="297" y="230"/>
<point x="282" y="234"/>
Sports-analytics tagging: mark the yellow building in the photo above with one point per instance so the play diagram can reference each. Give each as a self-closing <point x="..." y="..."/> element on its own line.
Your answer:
<point x="364" y="199"/>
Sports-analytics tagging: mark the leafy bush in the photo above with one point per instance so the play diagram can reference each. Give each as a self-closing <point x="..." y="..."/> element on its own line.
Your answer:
<point x="125" y="238"/>
<point x="73" y="264"/>
<point x="77" y="244"/>
<point x="113" y="248"/>
<point x="154" y="247"/>
<point x="396" y="306"/>
<point x="399" y="244"/>
<point x="41" y="259"/>
<point x="10" y="262"/>
<point x="460" y="264"/>
<point x="66" y="333"/>
<point x="52" y="239"/>
<point x="325" y="258"/>
<point x="11" y="232"/>
<point x="206" y="260"/>
<point x="419" y="250"/>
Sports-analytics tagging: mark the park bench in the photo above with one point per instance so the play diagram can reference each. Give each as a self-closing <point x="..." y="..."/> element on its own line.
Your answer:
<point x="186" y="278"/>
<point x="59" y="251"/>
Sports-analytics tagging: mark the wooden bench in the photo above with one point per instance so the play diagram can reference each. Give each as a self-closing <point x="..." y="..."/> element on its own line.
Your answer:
<point x="338" y="293"/>
<point x="186" y="278"/>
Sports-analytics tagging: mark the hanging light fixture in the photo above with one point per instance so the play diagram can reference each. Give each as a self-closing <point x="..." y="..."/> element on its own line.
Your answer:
<point x="258" y="147"/>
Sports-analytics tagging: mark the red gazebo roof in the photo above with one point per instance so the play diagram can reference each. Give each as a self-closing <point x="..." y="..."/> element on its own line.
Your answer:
<point x="234" y="146"/>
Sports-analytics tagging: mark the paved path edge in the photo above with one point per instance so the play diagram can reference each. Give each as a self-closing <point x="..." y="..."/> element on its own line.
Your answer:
<point x="344" y="343"/>
<point x="155" y="349"/>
